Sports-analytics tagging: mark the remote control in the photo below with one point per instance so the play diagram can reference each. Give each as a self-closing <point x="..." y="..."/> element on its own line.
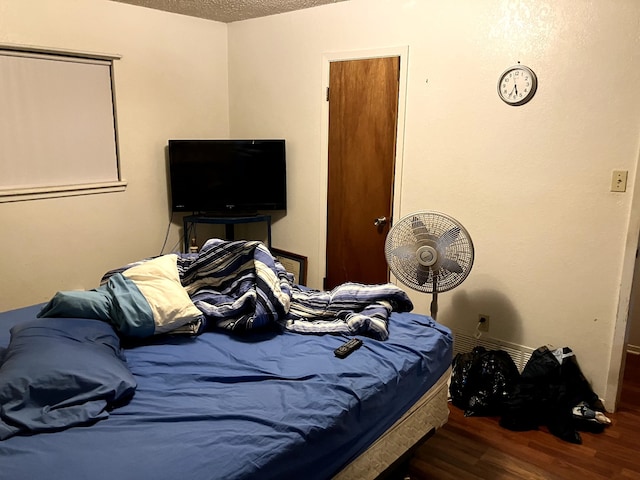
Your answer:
<point x="345" y="349"/>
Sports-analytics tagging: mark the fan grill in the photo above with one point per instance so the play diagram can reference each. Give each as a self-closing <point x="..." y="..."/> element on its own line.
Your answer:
<point x="429" y="252"/>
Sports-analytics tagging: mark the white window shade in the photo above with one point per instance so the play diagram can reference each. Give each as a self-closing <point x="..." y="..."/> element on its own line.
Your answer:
<point x="57" y="125"/>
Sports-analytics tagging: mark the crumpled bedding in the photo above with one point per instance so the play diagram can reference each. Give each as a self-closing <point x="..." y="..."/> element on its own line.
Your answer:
<point x="237" y="285"/>
<point x="144" y="300"/>
<point x="240" y="286"/>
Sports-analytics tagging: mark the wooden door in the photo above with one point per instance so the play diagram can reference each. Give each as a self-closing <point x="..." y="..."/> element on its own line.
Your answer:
<point x="363" y="114"/>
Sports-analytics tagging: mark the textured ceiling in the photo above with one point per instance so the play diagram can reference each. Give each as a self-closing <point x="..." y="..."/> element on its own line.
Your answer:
<point x="228" y="10"/>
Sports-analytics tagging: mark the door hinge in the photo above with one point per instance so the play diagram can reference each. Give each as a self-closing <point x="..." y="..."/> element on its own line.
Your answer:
<point x="327" y="94"/>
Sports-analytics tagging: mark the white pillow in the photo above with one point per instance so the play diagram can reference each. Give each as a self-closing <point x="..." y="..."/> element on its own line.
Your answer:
<point x="159" y="282"/>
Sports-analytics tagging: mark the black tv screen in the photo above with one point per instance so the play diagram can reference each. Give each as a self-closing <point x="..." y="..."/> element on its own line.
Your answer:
<point x="227" y="176"/>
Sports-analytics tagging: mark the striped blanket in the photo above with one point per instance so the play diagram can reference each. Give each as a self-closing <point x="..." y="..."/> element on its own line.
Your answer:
<point x="240" y="286"/>
<point x="237" y="285"/>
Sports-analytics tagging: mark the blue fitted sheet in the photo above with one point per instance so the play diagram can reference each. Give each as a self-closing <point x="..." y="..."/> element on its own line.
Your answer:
<point x="263" y="406"/>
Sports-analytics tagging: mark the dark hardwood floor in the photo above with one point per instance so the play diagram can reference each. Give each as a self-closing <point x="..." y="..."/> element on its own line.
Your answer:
<point x="478" y="448"/>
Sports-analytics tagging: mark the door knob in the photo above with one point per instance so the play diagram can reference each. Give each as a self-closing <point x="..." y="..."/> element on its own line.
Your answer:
<point x="380" y="221"/>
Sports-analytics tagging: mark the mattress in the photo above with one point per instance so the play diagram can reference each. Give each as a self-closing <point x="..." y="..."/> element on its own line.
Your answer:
<point x="423" y="419"/>
<point x="267" y="405"/>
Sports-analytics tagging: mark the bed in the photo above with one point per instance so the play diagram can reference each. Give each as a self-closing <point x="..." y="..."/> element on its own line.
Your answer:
<point x="269" y="403"/>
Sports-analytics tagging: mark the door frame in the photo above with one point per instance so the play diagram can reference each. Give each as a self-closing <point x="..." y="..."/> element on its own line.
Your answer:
<point x="625" y="295"/>
<point x="327" y="58"/>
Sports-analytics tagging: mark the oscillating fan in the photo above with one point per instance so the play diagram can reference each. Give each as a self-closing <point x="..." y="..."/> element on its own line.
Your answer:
<point x="429" y="252"/>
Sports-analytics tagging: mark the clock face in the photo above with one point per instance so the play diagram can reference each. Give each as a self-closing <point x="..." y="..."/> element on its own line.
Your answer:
<point x="517" y="85"/>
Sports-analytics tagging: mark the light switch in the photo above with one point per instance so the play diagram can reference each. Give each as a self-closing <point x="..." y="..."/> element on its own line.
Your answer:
<point x="619" y="181"/>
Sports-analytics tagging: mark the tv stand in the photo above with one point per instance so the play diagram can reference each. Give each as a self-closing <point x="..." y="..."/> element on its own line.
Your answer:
<point x="229" y="223"/>
<point x="227" y="213"/>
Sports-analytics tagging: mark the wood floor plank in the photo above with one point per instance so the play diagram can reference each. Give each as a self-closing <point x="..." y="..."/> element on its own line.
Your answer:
<point x="513" y="467"/>
<point x="626" y="474"/>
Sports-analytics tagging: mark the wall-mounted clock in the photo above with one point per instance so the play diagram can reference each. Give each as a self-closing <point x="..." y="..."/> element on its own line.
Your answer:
<point x="517" y="85"/>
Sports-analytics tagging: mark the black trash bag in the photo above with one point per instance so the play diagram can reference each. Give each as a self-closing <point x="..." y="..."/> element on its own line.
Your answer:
<point x="482" y="381"/>
<point x="460" y="375"/>
<point x="492" y="378"/>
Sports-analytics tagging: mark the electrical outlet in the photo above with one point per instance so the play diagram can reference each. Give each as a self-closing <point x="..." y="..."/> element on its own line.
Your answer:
<point x="619" y="181"/>
<point x="483" y="322"/>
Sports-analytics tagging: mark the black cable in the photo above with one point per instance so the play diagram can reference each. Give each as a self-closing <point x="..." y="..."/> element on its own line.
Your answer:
<point x="166" y="237"/>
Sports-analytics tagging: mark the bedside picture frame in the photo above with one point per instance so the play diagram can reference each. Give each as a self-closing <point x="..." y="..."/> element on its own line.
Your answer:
<point x="293" y="263"/>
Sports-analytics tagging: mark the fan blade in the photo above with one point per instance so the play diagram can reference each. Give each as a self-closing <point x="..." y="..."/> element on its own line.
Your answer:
<point x="422" y="275"/>
<point x="405" y="252"/>
<point x="451" y="265"/>
<point x="448" y="237"/>
<point x="419" y="228"/>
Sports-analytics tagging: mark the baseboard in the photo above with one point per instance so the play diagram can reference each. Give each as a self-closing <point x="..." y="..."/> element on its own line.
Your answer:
<point x="463" y="342"/>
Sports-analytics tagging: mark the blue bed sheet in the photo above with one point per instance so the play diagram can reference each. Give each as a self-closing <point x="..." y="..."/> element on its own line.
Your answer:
<point x="262" y="406"/>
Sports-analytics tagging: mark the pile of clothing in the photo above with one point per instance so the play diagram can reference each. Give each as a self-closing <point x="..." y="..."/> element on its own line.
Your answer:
<point x="551" y="391"/>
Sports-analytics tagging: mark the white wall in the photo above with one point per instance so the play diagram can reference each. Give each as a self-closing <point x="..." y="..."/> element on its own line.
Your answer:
<point x="171" y="82"/>
<point x="530" y="183"/>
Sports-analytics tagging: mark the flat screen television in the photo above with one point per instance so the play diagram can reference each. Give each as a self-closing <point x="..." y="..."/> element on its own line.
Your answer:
<point x="227" y="177"/>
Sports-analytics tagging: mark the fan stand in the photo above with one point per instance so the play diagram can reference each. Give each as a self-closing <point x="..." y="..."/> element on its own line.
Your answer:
<point x="434" y="300"/>
<point x="427" y="256"/>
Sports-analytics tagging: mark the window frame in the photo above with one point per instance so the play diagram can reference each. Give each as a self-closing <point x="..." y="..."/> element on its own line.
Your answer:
<point x="73" y="188"/>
